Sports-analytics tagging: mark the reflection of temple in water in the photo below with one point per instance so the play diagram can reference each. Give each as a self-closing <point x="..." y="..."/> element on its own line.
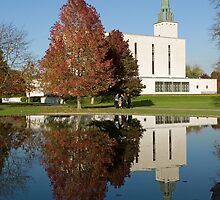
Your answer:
<point x="163" y="147"/>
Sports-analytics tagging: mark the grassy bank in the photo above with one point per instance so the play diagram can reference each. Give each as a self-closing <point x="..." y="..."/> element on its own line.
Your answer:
<point x="194" y="105"/>
<point x="179" y="101"/>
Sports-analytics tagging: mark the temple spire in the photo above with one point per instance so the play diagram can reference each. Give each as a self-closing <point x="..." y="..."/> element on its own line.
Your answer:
<point x="166" y="14"/>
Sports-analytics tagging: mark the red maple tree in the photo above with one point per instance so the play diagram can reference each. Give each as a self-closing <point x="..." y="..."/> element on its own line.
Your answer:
<point x="76" y="62"/>
<point x="126" y="67"/>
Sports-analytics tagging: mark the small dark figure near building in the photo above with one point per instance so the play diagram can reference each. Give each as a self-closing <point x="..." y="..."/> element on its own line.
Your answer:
<point x="123" y="101"/>
<point x="116" y="101"/>
<point x="120" y="101"/>
<point x="129" y="101"/>
<point x="215" y="192"/>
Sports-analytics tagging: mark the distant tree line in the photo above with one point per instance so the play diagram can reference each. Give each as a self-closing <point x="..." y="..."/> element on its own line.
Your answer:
<point x="195" y="71"/>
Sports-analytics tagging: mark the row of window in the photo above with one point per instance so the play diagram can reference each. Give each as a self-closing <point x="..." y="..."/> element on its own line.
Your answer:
<point x="172" y="87"/>
<point x="153" y="57"/>
<point x="171" y="119"/>
<point x="154" y="145"/>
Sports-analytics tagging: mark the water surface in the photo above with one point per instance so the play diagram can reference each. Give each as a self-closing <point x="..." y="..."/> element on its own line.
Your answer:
<point x="109" y="157"/>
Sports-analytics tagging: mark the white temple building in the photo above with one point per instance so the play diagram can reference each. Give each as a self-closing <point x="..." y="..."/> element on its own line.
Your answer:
<point x="162" y="59"/>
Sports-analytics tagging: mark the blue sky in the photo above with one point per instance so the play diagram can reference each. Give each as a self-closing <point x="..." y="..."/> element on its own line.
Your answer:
<point x="195" y="18"/>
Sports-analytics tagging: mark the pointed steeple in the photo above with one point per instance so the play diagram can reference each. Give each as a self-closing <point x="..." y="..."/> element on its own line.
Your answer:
<point x="166" y="14"/>
<point x="167" y="189"/>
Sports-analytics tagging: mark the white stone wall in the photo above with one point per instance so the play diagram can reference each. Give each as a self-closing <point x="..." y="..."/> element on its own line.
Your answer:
<point x="11" y="100"/>
<point x="144" y="55"/>
<point x="52" y="100"/>
<point x="166" y="29"/>
<point x="196" y="86"/>
<point x="203" y="86"/>
<point x="35" y="93"/>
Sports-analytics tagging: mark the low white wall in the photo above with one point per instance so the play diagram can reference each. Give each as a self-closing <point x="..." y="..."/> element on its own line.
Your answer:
<point x="35" y="93"/>
<point x="51" y="100"/>
<point x="196" y="86"/>
<point x="12" y="100"/>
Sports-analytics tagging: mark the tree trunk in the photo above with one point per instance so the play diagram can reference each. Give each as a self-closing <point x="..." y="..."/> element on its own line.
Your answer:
<point x="78" y="122"/>
<point x="28" y="98"/>
<point x="92" y="100"/>
<point x="79" y="102"/>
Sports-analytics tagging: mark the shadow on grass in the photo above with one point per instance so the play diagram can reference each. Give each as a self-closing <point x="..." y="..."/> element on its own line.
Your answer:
<point x="99" y="106"/>
<point x="142" y="103"/>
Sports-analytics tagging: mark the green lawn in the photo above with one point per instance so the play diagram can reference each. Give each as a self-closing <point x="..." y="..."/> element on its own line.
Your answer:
<point x="179" y="101"/>
<point x="195" y="105"/>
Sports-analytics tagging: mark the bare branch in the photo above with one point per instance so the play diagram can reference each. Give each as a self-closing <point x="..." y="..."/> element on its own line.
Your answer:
<point x="13" y="43"/>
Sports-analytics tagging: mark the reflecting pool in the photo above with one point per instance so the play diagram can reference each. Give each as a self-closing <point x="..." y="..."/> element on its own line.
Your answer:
<point x="107" y="157"/>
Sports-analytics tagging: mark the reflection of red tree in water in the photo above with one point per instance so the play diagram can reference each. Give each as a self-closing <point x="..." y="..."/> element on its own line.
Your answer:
<point x="77" y="163"/>
<point x="117" y="176"/>
<point x="127" y="148"/>
<point x="127" y="152"/>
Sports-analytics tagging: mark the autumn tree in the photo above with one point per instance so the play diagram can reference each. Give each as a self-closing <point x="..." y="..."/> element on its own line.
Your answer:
<point x="3" y="72"/>
<point x="216" y="72"/>
<point x="76" y="62"/>
<point x="125" y="65"/>
<point x="15" y="81"/>
<point x="11" y="81"/>
<point x="216" y="75"/>
<point x="14" y="55"/>
<point x="14" y="47"/>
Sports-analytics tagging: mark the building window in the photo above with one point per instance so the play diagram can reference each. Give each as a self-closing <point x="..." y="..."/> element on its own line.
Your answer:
<point x="168" y="119"/>
<point x="207" y="87"/>
<point x="159" y="86"/>
<point x="177" y="120"/>
<point x="197" y="87"/>
<point x="154" y="146"/>
<point x="169" y="60"/>
<point x="170" y="145"/>
<point x="171" y="119"/>
<point x="159" y="120"/>
<point x="185" y="86"/>
<point x="153" y="58"/>
<point x="171" y="86"/>
<point x="176" y="87"/>
<point x="168" y="87"/>
<point x="135" y="50"/>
